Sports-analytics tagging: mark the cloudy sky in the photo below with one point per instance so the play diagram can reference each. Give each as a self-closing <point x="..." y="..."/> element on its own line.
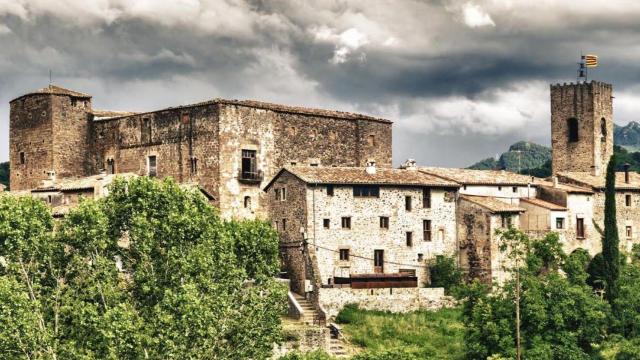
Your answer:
<point x="461" y="79"/>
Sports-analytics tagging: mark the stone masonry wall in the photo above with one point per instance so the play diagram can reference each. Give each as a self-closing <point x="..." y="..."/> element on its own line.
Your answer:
<point x="366" y="235"/>
<point x="589" y="103"/>
<point x="30" y="132"/>
<point x="72" y="153"/>
<point x="626" y="216"/>
<point x="397" y="300"/>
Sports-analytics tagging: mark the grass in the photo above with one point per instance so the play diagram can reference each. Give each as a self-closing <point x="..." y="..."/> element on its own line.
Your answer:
<point x="425" y="334"/>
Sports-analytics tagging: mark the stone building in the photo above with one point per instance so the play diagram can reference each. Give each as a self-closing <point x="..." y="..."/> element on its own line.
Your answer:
<point x="228" y="147"/>
<point x="364" y="224"/>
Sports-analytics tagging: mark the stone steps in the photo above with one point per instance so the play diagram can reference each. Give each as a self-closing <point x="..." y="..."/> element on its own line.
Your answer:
<point x="336" y="348"/>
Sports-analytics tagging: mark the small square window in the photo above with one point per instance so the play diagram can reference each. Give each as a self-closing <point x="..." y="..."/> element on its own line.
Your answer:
<point x="326" y="223"/>
<point x="559" y="223"/>
<point x="409" y="238"/>
<point x="346" y="223"/>
<point x="344" y="254"/>
<point x="514" y="189"/>
<point x="420" y="257"/>
<point x="384" y="222"/>
<point x="329" y="190"/>
<point x="627" y="200"/>
<point x="499" y="188"/>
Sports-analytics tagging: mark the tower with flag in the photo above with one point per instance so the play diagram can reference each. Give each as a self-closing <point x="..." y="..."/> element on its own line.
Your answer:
<point x="586" y="62"/>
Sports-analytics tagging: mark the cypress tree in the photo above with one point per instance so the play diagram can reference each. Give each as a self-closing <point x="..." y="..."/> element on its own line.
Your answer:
<point x="610" y="240"/>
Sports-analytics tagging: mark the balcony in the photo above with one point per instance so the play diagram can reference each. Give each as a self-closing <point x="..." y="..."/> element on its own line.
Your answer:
<point x="250" y="177"/>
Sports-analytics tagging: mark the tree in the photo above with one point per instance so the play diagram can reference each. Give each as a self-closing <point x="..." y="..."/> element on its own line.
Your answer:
<point x="151" y="271"/>
<point x="444" y="273"/>
<point x="610" y="241"/>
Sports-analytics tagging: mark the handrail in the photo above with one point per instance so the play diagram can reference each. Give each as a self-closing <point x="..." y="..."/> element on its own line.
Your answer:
<point x="299" y="312"/>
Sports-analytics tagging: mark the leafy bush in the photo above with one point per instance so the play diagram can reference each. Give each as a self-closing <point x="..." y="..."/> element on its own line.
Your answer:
<point x="445" y="273"/>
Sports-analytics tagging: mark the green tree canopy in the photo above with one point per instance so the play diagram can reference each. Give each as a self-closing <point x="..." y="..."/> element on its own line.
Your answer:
<point x="151" y="271"/>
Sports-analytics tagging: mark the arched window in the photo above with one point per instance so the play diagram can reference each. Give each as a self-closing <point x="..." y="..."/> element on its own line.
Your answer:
<point x="572" y="125"/>
<point x="603" y="129"/>
<point x="247" y="202"/>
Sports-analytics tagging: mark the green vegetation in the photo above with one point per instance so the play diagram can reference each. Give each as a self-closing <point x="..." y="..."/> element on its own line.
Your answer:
<point x="445" y="274"/>
<point x="522" y="156"/>
<point x="151" y="271"/>
<point x="4" y="173"/>
<point x="610" y="241"/>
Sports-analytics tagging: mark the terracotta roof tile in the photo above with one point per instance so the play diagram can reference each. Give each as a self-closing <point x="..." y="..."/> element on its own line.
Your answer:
<point x="55" y="90"/>
<point x="481" y="177"/>
<point x="106" y="114"/>
<point x="358" y="175"/>
<point x="492" y="204"/>
<point x="543" y="204"/>
<point x="598" y="182"/>
<point x="84" y="183"/>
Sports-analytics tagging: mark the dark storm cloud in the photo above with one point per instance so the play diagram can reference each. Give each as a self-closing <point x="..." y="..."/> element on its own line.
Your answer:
<point x="461" y="79"/>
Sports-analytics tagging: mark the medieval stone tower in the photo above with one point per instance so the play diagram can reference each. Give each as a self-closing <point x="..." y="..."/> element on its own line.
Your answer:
<point x="581" y="127"/>
<point x="49" y="136"/>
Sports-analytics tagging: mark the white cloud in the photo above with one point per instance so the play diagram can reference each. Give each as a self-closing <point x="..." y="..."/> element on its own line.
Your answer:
<point x="474" y="16"/>
<point x="4" y="29"/>
<point x="346" y="42"/>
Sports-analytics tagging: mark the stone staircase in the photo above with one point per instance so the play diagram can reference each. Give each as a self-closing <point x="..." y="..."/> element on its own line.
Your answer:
<point x="336" y="348"/>
<point x="309" y="313"/>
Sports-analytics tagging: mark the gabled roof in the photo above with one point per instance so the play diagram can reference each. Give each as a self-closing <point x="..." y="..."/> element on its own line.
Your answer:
<point x="493" y="204"/>
<point x="598" y="182"/>
<point x="481" y="177"/>
<point x="268" y="106"/>
<point x="359" y="175"/>
<point x="543" y="204"/>
<point x="84" y="183"/>
<point x="568" y="188"/>
<point x="55" y="90"/>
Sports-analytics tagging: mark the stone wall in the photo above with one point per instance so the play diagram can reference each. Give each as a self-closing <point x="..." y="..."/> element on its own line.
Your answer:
<point x="399" y="300"/>
<point x="72" y="152"/>
<point x="31" y="133"/>
<point x="589" y="103"/>
<point x="366" y="234"/>
<point x="626" y="216"/>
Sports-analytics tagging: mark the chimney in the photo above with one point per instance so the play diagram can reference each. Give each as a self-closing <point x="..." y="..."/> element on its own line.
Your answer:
<point x="555" y="181"/>
<point x="50" y="181"/>
<point x="410" y="164"/>
<point x="626" y="172"/>
<point x="371" y="167"/>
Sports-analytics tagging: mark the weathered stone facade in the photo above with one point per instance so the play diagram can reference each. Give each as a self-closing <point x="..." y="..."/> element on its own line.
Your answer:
<point x="56" y="130"/>
<point x="581" y="127"/>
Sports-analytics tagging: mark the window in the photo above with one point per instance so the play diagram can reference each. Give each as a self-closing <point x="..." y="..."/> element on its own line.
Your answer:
<point x="284" y="224"/>
<point x="499" y="188"/>
<point x="145" y="131"/>
<point x="366" y="191"/>
<point x="506" y="220"/>
<point x="247" y="202"/>
<point x="185" y="118"/>
<point x="344" y="254"/>
<point x="23" y="159"/>
<point x="378" y="261"/>
<point x="371" y="140"/>
<point x="194" y="165"/>
<point x="249" y="167"/>
<point x="572" y="125"/>
<point x="559" y="223"/>
<point x="111" y="166"/>
<point x="420" y="257"/>
<point x="283" y="194"/>
<point x="326" y="223"/>
<point x="515" y="189"/>
<point x="346" y="223"/>
<point x="629" y="232"/>
<point x="277" y="193"/>
<point x="627" y="200"/>
<point x="580" y="228"/>
<point x="384" y="222"/>
<point x="409" y="238"/>
<point x="329" y="190"/>
<point x="603" y="129"/>
<point x="426" y="230"/>
<point x="407" y="203"/>
<point x="426" y="197"/>
<point x="276" y="225"/>
<point x="152" y="169"/>
<point x="440" y="234"/>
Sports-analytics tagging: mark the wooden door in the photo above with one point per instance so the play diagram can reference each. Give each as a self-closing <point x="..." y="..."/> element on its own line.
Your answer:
<point x="378" y="261"/>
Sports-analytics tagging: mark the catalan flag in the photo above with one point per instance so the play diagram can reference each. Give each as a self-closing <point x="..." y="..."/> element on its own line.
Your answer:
<point x="590" y="60"/>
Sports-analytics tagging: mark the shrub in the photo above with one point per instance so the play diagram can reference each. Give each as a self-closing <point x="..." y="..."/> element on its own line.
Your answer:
<point x="445" y="273"/>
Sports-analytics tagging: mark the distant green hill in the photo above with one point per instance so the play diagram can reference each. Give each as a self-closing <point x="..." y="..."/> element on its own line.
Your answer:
<point x="627" y="136"/>
<point x="4" y="173"/>
<point x="523" y="156"/>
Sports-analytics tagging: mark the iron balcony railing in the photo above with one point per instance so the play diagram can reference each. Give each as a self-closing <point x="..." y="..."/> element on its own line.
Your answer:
<point x="250" y="176"/>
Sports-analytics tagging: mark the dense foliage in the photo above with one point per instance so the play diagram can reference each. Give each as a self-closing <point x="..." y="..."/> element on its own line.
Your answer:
<point x="4" y="173"/>
<point x="445" y="273"/>
<point x="151" y="271"/>
<point x="610" y="241"/>
<point x="521" y="156"/>
<point x="561" y="318"/>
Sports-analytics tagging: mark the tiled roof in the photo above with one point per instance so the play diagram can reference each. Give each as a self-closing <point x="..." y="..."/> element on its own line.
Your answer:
<point x="481" y="177"/>
<point x="492" y="204"/>
<point x="272" y="107"/>
<point x="358" y="175"/>
<point x="102" y="114"/>
<point x="543" y="204"/>
<point x="55" y="90"/>
<point x="84" y="183"/>
<point x="568" y="188"/>
<point x="598" y="182"/>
